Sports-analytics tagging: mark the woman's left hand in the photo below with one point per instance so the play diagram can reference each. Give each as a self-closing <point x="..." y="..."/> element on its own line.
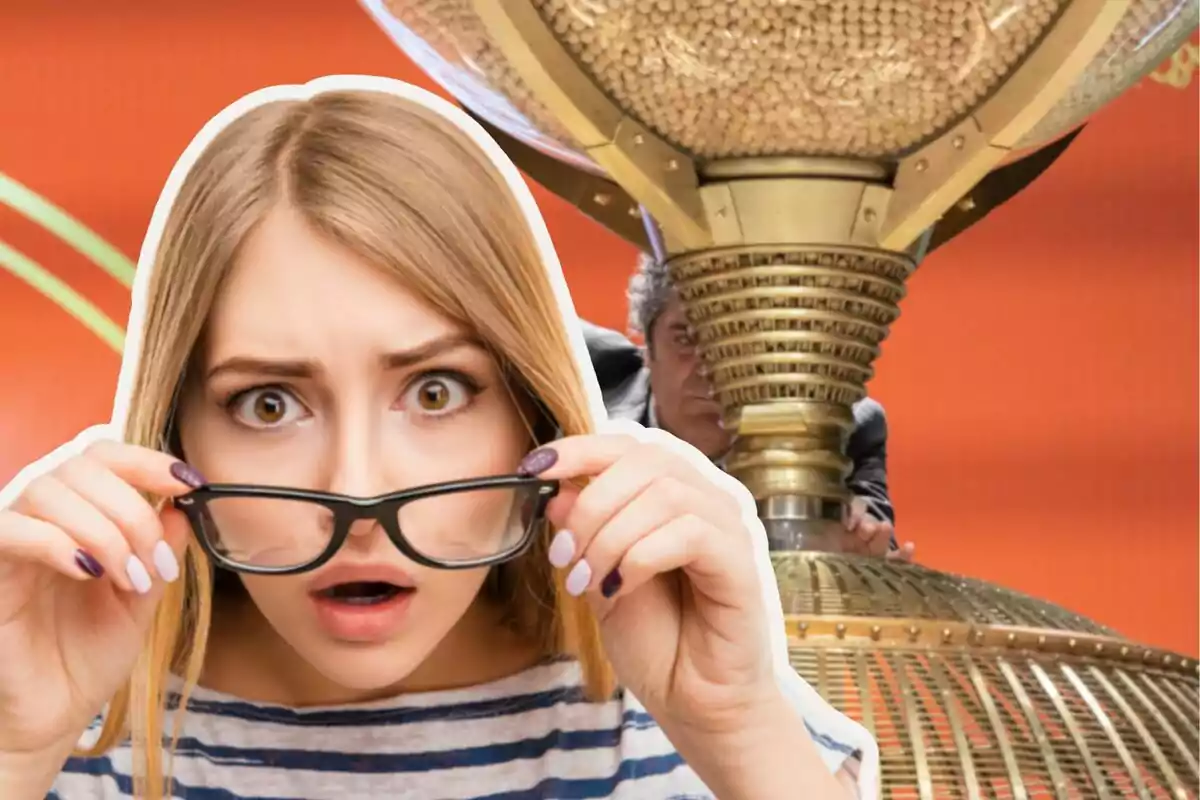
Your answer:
<point x="665" y="556"/>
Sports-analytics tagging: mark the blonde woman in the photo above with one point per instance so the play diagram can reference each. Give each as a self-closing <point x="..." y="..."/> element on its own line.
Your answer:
<point x="358" y="538"/>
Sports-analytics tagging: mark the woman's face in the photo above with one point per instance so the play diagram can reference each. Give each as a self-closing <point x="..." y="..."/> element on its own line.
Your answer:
<point x="321" y="372"/>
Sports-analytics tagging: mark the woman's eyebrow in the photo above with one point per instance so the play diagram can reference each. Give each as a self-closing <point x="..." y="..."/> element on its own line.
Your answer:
<point x="250" y="365"/>
<point x="439" y="345"/>
<point x="303" y="369"/>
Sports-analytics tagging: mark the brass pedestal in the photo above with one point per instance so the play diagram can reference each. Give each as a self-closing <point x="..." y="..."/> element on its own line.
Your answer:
<point x="789" y="336"/>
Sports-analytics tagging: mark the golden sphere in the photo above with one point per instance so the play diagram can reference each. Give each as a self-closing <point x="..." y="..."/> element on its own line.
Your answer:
<point x="719" y="79"/>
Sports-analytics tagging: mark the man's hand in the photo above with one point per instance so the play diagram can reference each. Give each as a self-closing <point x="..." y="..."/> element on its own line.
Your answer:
<point x="873" y="537"/>
<point x="904" y="553"/>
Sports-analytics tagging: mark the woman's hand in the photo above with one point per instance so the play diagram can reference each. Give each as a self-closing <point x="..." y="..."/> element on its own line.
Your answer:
<point x="83" y="562"/>
<point x="665" y="555"/>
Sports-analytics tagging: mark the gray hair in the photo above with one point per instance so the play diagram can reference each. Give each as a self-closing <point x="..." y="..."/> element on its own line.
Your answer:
<point x="649" y="289"/>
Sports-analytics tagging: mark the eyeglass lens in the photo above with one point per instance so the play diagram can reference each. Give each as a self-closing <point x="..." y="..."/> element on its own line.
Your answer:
<point x="454" y="527"/>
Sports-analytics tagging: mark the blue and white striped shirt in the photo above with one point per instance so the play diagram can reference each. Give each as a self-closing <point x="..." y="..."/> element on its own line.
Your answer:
<point x="532" y="735"/>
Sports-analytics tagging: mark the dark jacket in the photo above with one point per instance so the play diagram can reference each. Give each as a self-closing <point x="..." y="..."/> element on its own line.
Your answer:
<point x="625" y="383"/>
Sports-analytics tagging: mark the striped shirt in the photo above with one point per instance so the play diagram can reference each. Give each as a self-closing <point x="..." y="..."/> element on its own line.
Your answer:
<point x="532" y="735"/>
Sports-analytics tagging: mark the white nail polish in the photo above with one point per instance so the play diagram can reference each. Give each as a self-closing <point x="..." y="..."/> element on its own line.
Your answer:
<point x="138" y="575"/>
<point x="165" y="562"/>
<point x="578" y="579"/>
<point x="562" y="549"/>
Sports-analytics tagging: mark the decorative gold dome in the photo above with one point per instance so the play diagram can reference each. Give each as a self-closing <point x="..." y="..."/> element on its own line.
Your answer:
<point x="973" y="690"/>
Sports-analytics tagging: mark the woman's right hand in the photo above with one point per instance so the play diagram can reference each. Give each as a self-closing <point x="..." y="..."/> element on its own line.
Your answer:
<point x="84" y="559"/>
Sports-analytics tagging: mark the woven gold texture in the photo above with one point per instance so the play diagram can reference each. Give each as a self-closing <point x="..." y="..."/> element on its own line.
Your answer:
<point x="974" y="691"/>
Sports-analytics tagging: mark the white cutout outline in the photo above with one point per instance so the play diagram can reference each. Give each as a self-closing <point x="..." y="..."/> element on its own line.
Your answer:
<point x="815" y="710"/>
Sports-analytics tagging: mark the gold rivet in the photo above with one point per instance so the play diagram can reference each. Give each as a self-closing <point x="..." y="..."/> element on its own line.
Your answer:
<point x="601" y="199"/>
<point x="1124" y="652"/>
<point x="966" y="204"/>
<point x="913" y="632"/>
<point x="634" y="212"/>
<point x="921" y="165"/>
<point x="946" y="635"/>
<point x="869" y="214"/>
<point x="977" y="637"/>
<point x="672" y="164"/>
<point x="876" y="631"/>
<point x="1167" y="661"/>
<point x="804" y="629"/>
<point x="1184" y="663"/>
<point x="639" y="139"/>
<point x="1071" y="644"/>
<point x="1099" y="648"/>
<point x="957" y="142"/>
<point x="1011" y="639"/>
<point x="1146" y="656"/>
<point x="1041" y="641"/>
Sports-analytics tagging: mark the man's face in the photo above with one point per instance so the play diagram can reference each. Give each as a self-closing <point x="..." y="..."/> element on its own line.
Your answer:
<point x="680" y="388"/>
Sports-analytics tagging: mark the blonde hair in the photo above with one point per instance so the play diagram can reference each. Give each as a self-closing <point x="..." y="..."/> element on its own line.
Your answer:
<point x="369" y="171"/>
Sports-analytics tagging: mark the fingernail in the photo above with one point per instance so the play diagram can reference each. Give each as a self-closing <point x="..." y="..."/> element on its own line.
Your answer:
<point x="165" y="562"/>
<point x="578" y="579"/>
<point x="187" y="475"/>
<point x="138" y="576"/>
<point x="85" y="561"/>
<point x="611" y="584"/>
<point x="562" y="549"/>
<point x="537" y="462"/>
<point x="849" y="519"/>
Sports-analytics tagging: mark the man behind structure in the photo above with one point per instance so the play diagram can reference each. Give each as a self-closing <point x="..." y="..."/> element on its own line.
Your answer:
<point x="665" y="386"/>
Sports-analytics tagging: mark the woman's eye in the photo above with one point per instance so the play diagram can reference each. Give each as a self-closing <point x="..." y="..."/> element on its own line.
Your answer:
<point x="267" y="408"/>
<point x="435" y="395"/>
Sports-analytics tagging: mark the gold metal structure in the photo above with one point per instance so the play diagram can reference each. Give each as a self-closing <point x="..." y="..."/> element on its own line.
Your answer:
<point x="792" y="160"/>
<point x="974" y="691"/>
<point x="821" y="140"/>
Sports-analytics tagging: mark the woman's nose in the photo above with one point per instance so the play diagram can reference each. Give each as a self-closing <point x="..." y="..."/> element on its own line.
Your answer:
<point x="353" y="455"/>
<point x="361" y="528"/>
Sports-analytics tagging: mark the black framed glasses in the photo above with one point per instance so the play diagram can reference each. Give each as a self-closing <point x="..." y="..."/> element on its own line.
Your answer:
<point x="266" y="530"/>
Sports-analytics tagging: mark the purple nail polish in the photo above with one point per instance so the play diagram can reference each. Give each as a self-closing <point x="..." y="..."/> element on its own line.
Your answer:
<point x="537" y="462"/>
<point x="85" y="561"/>
<point x="187" y="475"/>
<point x="611" y="583"/>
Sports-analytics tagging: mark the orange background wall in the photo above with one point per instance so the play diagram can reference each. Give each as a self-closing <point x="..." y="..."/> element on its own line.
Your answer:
<point x="1041" y="383"/>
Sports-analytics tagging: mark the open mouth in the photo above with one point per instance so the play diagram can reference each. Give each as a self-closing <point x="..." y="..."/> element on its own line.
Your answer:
<point x="363" y="594"/>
